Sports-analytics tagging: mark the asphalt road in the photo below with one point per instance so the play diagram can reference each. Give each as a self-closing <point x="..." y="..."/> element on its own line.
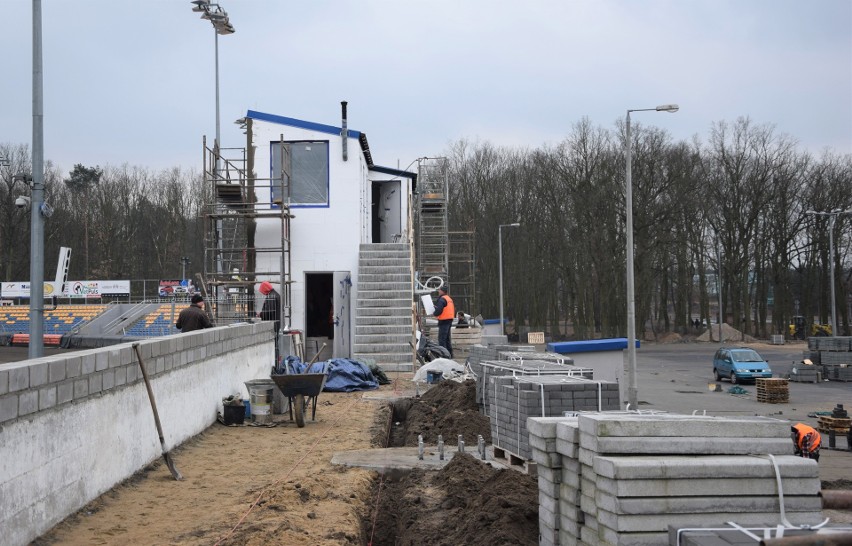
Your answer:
<point x="676" y="377"/>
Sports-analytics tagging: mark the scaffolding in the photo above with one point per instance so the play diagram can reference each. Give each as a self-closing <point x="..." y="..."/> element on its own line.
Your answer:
<point x="462" y="268"/>
<point x="432" y="242"/>
<point x="231" y="212"/>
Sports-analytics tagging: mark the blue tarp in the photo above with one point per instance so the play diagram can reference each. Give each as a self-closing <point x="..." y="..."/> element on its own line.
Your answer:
<point x="591" y="345"/>
<point x="344" y="374"/>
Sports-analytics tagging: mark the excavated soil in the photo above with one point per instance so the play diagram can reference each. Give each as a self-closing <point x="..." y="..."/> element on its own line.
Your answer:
<point x="468" y="501"/>
<point x="448" y="409"/>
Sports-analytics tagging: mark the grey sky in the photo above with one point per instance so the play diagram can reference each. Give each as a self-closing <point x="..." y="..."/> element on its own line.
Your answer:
<point x="133" y="82"/>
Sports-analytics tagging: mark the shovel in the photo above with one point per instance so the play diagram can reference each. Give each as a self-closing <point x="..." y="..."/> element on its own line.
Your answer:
<point x="172" y="468"/>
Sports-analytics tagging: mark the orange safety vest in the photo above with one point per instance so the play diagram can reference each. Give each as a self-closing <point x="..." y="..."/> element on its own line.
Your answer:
<point x="805" y="430"/>
<point x="449" y="311"/>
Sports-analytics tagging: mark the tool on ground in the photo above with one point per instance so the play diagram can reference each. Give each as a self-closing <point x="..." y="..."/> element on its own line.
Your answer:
<point x="172" y="468"/>
<point x="314" y="359"/>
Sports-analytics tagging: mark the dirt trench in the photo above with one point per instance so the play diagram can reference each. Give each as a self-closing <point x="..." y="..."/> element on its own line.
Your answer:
<point x="467" y="502"/>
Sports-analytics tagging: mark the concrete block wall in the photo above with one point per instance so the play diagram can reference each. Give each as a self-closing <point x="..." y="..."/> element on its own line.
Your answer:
<point x="624" y="478"/>
<point x="516" y="399"/>
<point x="76" y="424"/>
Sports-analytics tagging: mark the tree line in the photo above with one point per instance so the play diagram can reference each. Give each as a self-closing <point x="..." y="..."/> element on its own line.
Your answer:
<point x="734" y="204"/>
<point x="121" y="222"/>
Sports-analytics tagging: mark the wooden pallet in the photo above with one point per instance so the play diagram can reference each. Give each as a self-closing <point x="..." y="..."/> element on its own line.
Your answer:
<point x="773" y="391"/>
<point x="773" y="399"/>
<point x="510" y="459"/>
<point x="772" y="384"/>
<point x="838" y="424"/>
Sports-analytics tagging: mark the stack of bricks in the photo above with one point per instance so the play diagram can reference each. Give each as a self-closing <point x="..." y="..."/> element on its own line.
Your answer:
<point x="522" y="368"/>
<point x="515" y="399"/>
<point x="624" y="478"/>
<point x="804" y="373"/>
<point x="482" y="353"/>
<point x="833" y="355"/>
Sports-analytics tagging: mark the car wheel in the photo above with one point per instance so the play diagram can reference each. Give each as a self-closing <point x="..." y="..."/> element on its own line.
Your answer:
<point x="733" y="378"/>
<point x="716" y="374"/>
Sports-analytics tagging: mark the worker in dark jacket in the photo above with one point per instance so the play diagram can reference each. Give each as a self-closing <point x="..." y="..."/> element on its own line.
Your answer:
<point x="806" y="441"/>
<point x="445" y="310"/>
<point x="271" y="305"/>
<point x="193" y="317"/>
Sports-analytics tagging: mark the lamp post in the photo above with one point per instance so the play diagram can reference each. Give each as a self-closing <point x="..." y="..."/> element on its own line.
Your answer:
<point x="184" y="260"/>
<point x="218" y="17"/>
<point x="632" y="382"/>
<point x="36" y="345"/>
<point x="500" y="265"/>
<point x="832" y="217"/>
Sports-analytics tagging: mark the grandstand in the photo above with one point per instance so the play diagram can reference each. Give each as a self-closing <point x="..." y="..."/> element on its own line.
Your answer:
<point x="160" y="322"/>
<point x="120" y="322"/>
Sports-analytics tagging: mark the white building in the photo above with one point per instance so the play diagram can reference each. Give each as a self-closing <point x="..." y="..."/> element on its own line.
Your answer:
<point x="349" y="237"/>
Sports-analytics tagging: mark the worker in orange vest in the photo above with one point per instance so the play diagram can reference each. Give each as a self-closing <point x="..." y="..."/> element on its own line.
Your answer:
<point x="445" y="310"/>
<point x="806" y="441"/>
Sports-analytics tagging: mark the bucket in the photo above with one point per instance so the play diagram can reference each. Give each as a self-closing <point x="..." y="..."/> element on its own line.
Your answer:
<point x="260" y="399"/>
<point x="234" y="415"/>
<point x="433" y="376"/>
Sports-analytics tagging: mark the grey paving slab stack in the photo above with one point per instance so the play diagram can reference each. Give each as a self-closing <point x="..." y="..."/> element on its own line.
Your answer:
<point x="514" y="399"/>
<point x="833" y="356"/>
<point x="804" y="373"/>
<point x="542" y="433"/>
<point x="625" y="477"/>
<point x="518" y="368"/>
<point x="478" y="354"/>
<point x="482" y="351"/>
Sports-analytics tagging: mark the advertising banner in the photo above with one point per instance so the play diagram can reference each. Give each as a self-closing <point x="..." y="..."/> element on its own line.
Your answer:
<point x="176" y="287"/>
<point x="73" y="289"/>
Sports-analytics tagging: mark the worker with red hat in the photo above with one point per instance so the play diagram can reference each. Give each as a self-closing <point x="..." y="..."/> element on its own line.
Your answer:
<point x="271" y="305"/>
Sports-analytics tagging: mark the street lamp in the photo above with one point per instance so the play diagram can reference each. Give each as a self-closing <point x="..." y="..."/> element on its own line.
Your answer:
<point x="184" y="260"/>
<point x="218" y="17"/>
<point x="832" y="217"/>
<point x="632" y="382"/>
<point x="500" y="260"/>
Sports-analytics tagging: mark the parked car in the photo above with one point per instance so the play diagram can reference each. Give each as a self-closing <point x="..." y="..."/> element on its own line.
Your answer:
<point x="739" y="364"/>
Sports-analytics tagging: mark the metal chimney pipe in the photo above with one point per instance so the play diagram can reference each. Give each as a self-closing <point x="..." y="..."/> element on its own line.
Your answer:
<point x="344" y="132"/>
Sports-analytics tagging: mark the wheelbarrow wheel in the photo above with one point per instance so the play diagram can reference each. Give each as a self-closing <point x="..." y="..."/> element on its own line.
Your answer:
<point x="299" y="409"/>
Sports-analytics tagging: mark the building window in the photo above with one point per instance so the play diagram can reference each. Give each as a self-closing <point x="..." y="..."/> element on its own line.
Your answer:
<point x="307" y="164"/>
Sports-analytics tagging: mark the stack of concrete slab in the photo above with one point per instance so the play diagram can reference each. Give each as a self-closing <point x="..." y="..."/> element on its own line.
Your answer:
<point x="625" y="477"/>
<point x="522" y="368"/>
<point x="515" y="399"/>
<point x="833" y="355"/>
<point x="481" y="353"/>
<point x="804" y="373"/>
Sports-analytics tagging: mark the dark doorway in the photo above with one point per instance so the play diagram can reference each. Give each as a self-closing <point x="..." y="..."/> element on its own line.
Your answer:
<point x="376" y="212"/>
<point x="319" y="304"/>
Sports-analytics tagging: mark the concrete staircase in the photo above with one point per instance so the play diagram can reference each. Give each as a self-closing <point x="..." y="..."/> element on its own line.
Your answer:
<point x="383" y="317"/>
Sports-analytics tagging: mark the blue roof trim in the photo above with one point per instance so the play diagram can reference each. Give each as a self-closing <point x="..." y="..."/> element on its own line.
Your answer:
<point x="293" y="122"/>
<point x="494" y="321"/>
<point x="592" y="345"/>
<point x="393" y="172"/>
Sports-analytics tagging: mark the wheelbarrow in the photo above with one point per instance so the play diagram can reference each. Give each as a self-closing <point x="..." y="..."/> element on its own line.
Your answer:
<point x="296" y="387"/>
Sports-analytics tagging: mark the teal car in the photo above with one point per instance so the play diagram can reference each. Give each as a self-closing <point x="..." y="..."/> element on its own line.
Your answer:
<point x="739" y="364"/>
